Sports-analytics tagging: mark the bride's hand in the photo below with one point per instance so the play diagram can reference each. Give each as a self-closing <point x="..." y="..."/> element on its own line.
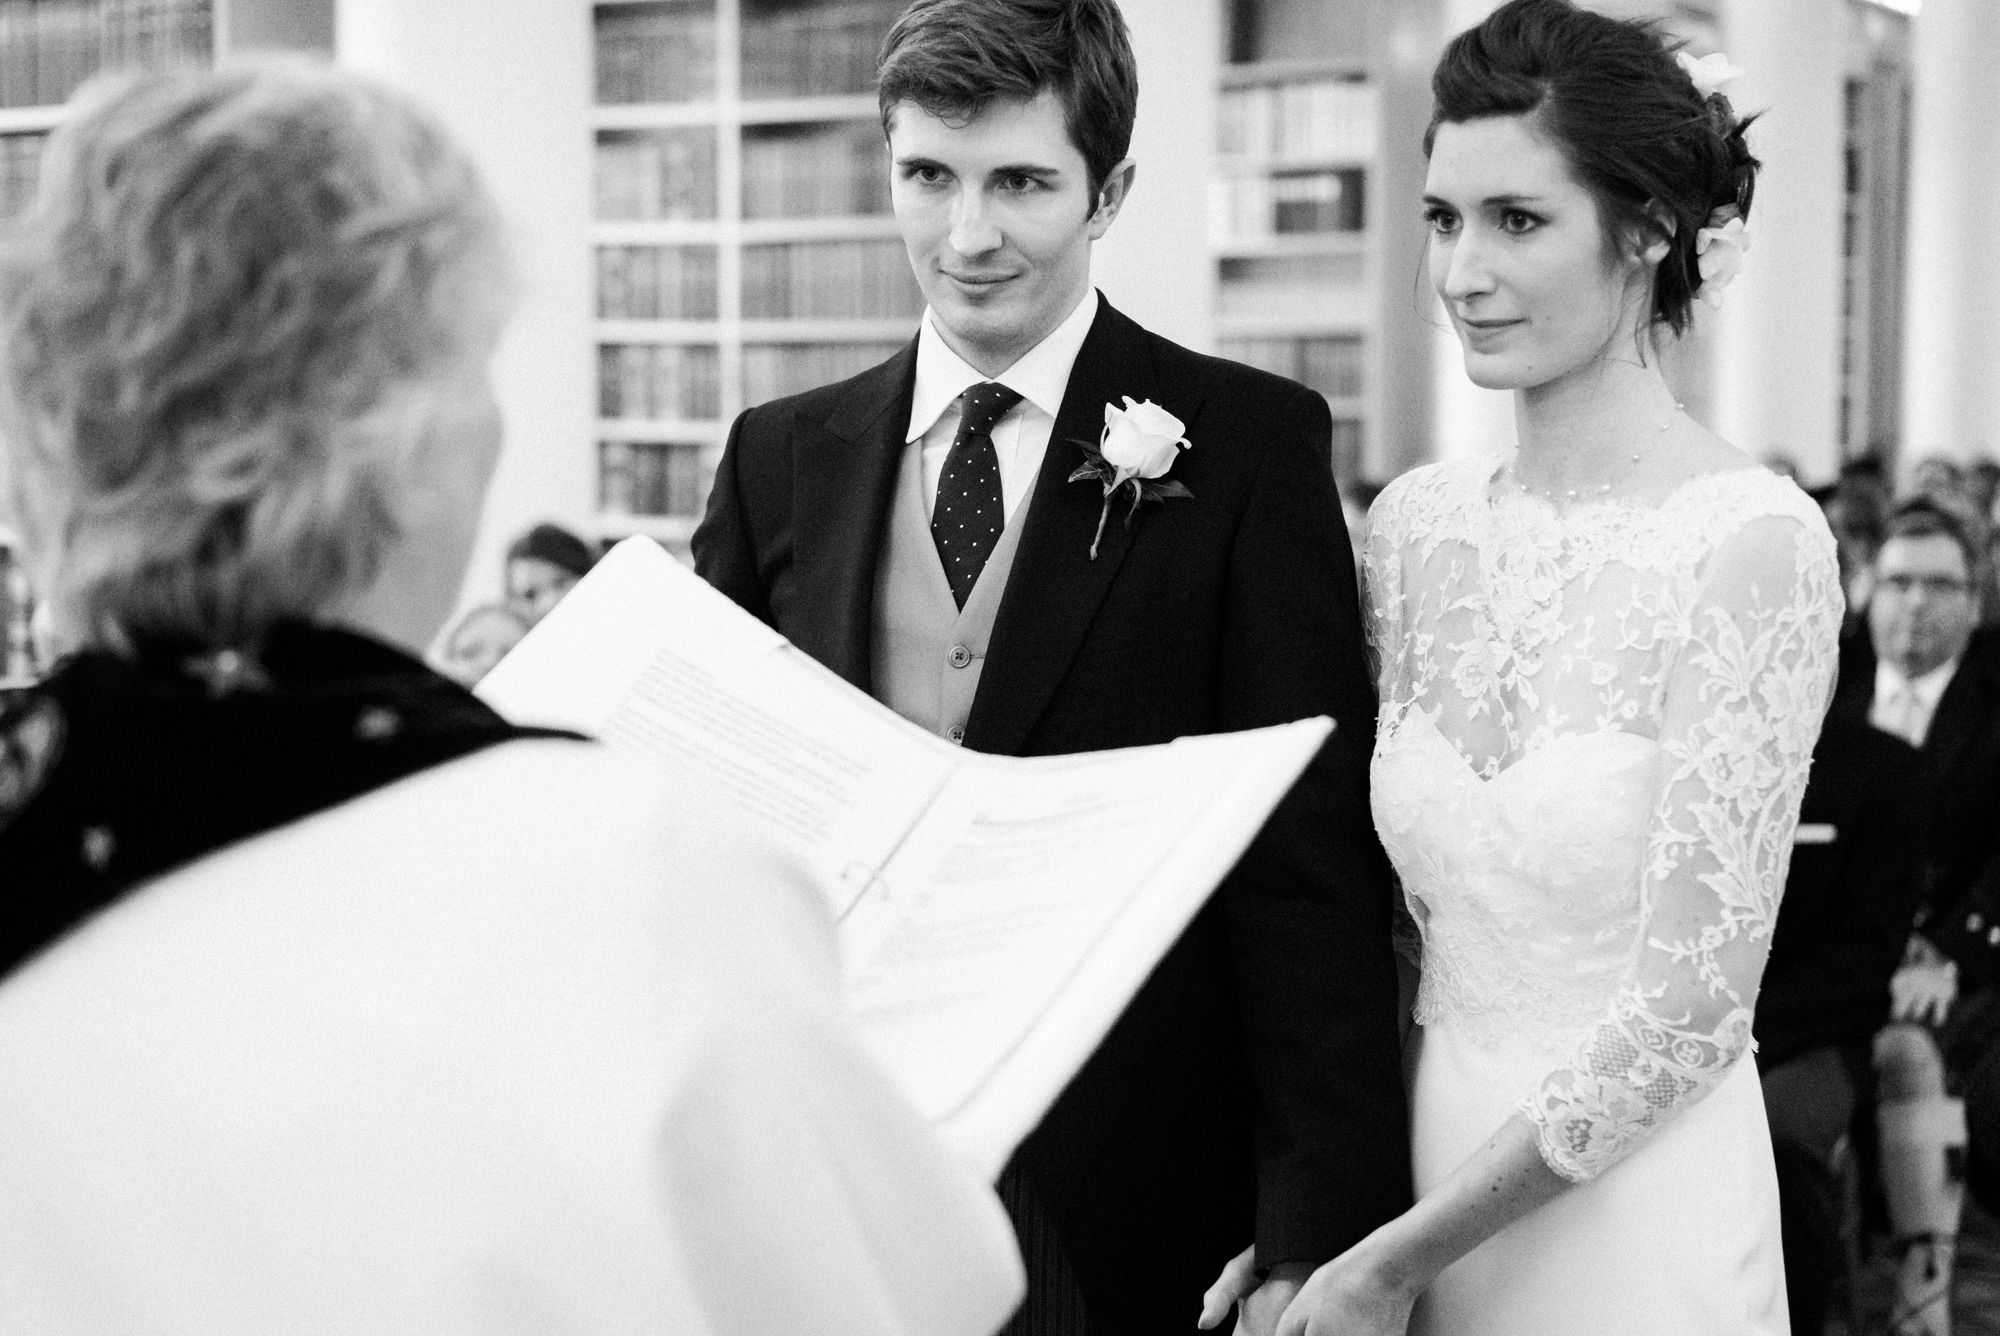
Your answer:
<point x="1349" y="1296"/>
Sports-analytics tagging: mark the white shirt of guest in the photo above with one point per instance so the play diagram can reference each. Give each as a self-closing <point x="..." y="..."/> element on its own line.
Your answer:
<point x="1904" y="706"/>
<point x="1021" y="436"/>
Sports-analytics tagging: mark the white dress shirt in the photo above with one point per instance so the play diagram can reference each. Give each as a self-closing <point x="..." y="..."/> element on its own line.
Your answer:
<point x="1904" y="706"/>
<point x="1021" y="436"/>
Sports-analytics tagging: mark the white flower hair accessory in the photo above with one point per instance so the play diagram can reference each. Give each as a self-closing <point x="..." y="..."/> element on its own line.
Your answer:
<point x="1709" y="73"/>
<point x="1719" y="249"/>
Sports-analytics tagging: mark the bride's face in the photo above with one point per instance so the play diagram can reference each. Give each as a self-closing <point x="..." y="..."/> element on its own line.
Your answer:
<point x="1519" y="255"/>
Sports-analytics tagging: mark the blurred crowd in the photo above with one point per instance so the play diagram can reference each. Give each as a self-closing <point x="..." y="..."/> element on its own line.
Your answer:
<point x="542" y="565"/>
<point x="1879" y="1020"/>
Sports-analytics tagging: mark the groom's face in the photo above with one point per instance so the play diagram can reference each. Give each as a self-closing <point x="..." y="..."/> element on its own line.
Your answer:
<point x="998" y="216"/>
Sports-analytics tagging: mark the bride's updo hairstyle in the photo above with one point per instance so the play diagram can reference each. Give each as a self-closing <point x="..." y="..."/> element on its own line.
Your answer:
<point x="1661" y="159"/>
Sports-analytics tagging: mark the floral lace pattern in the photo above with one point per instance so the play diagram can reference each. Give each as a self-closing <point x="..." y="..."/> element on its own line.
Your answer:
<point x="1595" y="733"/>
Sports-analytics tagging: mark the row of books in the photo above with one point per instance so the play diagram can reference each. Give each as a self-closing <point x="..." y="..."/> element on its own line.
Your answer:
<point x="826" y="170"/>
<point x="813" y="50"/>
<point x="649" y="478"/>
<point x="773" y="370"/>
<point x="1331" y="364"/>
<point x="1324" y="120"/>
<point x="661" y="52"/>
<point x="651" y="175"/>
<point x="656" y="282"/>
<point x="679" y="382"/>
<point x="829" y="280"/>
<point x="1259" y="207"/>
<point x="20" y="171"/>
<point x="48" y="47"/>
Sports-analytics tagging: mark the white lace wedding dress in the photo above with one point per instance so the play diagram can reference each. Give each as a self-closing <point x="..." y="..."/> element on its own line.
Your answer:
<point x="1595" y="732"/>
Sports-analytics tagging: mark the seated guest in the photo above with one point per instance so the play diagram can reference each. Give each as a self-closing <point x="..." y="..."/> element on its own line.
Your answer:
<point x="1856" y="508"/>
<point x="1982" y="486"/>
<point x="329" y="1001"/>
<point x="1936" y="475"/>
<point x="1918" y="667"/>
<point x="543" y="564"/>
<point x="1853" y="887"/>
<point x="480" y="640"/>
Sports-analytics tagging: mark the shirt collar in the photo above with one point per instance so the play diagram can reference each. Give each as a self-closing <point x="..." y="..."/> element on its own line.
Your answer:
<point x="1928" y="689"/>
<point x="1040" y="376"/>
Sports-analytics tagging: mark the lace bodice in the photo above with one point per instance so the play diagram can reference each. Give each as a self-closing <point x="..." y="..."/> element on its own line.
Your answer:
<point x="1595" y="732"/>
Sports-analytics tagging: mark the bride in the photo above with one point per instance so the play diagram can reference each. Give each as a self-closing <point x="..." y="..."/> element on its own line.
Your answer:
<point x="1603" y="664"/>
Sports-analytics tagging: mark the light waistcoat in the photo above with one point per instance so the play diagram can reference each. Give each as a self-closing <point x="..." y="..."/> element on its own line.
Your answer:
<point x="927" y="652"/>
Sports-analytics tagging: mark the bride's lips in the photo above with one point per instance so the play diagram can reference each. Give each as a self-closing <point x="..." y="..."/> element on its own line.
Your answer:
<point x="1480" y="331"/>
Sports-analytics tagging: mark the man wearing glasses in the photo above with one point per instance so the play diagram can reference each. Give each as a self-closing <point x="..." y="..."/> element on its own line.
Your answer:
<point x="1936" y="682"/>
<point x="1925" y="673"/>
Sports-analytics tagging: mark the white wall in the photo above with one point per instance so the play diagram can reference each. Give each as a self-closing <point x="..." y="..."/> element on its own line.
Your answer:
<point x="512" y="79"/>
<point x="1777" y="345"/>
<point x="1951" y="356"/>
<point x="1154" y="264"/>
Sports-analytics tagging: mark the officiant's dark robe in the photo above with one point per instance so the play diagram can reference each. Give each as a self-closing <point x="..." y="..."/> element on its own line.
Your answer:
<point x="1253" y="1084"/>
<point x="117" y="769"/>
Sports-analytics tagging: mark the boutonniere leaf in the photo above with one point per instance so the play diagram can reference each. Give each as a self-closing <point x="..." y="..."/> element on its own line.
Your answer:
<point x="1139" y="443"/>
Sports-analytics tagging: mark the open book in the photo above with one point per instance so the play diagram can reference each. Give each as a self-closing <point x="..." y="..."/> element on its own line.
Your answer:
<point x="995" y="914"/>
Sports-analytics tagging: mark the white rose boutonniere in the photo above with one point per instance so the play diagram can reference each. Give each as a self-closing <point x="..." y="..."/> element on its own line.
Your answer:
<point x="1138" y="445"/>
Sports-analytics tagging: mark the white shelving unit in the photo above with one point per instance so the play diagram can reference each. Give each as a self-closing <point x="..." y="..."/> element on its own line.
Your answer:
<point x="1292" y="232"/>
<point x="804" y="290"/>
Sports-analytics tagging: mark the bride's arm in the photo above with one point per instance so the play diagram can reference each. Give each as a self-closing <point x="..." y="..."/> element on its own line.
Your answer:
<point x="1372" y="1286"/>
<point x="1740" y="712"/>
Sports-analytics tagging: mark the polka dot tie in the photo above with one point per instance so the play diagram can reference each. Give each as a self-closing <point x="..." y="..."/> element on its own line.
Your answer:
<point x="969" y="515"/>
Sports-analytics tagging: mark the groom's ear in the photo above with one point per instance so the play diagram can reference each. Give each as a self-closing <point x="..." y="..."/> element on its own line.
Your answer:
<point x="1111" y="197"/>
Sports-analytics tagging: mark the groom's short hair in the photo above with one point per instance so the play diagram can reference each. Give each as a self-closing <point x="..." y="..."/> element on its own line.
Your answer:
<point x="952" y="57"/>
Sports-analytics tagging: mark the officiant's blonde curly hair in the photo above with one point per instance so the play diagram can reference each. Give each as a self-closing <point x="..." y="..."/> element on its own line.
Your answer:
<point x="226" y="324"/>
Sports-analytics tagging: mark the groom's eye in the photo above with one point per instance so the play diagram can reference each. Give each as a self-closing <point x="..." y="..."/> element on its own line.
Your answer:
<point x="923" y="173"/>
<point x="1020" y="182"/>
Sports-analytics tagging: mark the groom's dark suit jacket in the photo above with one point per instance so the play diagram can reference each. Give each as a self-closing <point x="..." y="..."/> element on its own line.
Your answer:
<point x="1259" y="1063"/>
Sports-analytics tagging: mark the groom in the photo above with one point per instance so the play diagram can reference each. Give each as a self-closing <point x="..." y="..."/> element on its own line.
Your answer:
<point x="915" y="529"/>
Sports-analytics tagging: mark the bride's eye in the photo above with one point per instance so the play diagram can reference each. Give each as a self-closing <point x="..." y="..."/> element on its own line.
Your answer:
<point x="1441" y="221"/>
<point x="1517" y="222"/>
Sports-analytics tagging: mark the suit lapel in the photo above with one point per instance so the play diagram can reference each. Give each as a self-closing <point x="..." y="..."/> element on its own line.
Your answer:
<point x="1055" y="588"/>
<point x="845" y="475"/>
<point x="1956" y="721"/>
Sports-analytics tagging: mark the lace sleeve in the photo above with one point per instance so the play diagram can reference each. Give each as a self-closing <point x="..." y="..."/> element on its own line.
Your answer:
<point x="1382" y="593"/>
<point x="1741" y="708"/>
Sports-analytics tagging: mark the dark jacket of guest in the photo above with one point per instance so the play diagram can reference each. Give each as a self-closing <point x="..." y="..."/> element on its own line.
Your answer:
<point x="1959" y="787"/>
<point x="1855" y="882"/>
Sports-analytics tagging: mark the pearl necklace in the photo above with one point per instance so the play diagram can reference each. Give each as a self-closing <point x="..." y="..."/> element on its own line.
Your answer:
<point x="1603" y="489"/>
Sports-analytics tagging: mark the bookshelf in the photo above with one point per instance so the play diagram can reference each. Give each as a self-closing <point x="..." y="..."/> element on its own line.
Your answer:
<point x="742" y="238"/>
<point x="47" y="49"/>
<point x="1289" y="226"/>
